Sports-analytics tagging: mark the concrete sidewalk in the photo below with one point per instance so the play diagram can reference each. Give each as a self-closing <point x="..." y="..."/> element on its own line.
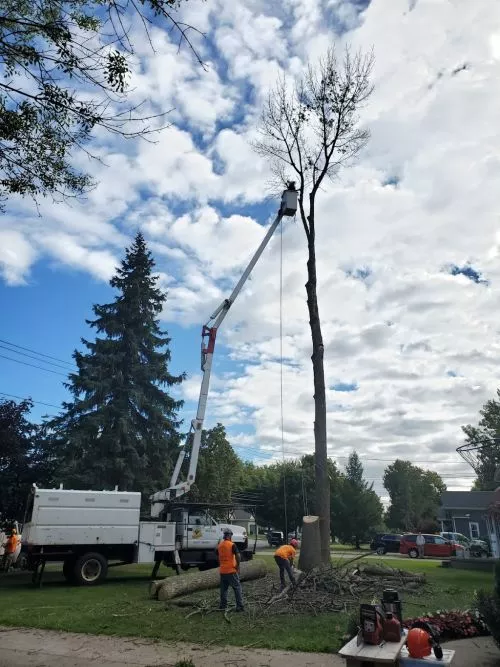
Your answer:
<point x="476" y="652"/>
<point x="40" y="648"/>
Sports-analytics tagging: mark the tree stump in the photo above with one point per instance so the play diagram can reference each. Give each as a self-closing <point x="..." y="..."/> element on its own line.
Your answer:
<point x="310" y="546"/>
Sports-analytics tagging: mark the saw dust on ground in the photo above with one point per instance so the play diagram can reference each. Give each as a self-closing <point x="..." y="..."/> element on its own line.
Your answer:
<point x="335" y="588"/>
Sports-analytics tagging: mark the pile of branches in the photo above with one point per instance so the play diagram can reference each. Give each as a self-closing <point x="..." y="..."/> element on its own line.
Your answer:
<point x="334" y="588"/>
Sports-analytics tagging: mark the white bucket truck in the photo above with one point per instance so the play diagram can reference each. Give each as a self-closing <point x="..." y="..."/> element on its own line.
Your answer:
<point x="90" y="531"/>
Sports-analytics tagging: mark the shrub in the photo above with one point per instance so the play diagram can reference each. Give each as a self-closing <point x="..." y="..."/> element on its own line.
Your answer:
<point x="488" y="606"/>
<point x="454" y="624"/>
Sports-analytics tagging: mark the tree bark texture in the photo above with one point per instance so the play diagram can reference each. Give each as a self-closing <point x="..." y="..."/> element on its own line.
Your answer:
<point x="320" y="433"/>
<point x="310" y="544"/>
<point x="174" y="587"/>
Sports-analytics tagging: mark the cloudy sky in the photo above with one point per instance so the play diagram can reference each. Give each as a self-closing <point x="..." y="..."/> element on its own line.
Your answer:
<point x="408" y="237"/>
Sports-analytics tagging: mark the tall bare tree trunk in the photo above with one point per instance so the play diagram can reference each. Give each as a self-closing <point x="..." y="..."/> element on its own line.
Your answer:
<point x="320" y="433"/>
<point x="308" y="131"/>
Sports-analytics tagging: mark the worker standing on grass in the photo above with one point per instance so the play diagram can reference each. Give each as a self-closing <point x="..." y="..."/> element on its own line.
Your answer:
<point x="420" y="545"/>
<point x="284" y="560"/>
<point x="229" y="568"/>
<point x="11" y="549"/>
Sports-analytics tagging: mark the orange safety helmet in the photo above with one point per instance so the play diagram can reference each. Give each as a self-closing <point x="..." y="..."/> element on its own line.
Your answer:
<point x="419" y="643"/>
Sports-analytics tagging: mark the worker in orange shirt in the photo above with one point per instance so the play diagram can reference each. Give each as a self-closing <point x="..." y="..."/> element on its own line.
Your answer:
<point x="229" y="568"/>
<point x="11" y="549"/>
<point x="284" y="556"/>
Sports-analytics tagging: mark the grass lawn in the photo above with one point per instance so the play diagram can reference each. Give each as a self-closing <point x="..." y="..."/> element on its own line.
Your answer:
<point x="121" y="607"/>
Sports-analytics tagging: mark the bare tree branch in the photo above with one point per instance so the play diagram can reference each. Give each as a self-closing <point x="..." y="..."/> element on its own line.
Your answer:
<point x="66" y="68"/>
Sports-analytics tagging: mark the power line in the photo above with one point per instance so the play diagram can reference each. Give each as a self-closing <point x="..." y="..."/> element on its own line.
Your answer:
<point x="25" y="363"/>
<point x="256" y="450"/>
<point x="40" y="354"/>
<point x="30" y="356"/>
<point x="21" y="398"/>
<point x="366" y="458"/>
<point x="267" y="453"/>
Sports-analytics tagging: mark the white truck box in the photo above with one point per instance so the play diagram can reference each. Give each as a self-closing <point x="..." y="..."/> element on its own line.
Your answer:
<point x="61" y="517"/>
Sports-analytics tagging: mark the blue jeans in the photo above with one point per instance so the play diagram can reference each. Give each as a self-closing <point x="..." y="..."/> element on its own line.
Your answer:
<point x="233" y="581"/>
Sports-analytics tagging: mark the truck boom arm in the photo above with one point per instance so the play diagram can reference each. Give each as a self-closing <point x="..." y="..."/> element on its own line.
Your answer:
<point x="177" y="489"/>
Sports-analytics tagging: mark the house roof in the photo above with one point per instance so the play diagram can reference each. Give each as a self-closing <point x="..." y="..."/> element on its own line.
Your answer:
<point x="466" y="500"/>
<point x="242" y="515"/>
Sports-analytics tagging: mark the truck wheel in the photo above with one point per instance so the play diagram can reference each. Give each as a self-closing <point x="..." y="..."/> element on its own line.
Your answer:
<point x="413" y="553"/>
<point x="69" y="570"/>
<point x="90" y="569"/>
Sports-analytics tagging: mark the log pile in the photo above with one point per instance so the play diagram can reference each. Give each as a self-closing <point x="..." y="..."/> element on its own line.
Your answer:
<point x="333" y="588"/>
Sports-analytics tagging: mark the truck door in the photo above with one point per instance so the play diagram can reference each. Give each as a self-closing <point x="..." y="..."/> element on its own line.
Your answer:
<point x="201" y="532"/>
<point x="180" y="517"/>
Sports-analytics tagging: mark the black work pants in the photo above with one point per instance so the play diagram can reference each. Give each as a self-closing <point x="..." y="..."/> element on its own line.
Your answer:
<point x="284" y="566"/>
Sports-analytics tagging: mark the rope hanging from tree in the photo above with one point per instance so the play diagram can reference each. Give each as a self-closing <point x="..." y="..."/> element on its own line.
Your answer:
<point x="281" y="384"/>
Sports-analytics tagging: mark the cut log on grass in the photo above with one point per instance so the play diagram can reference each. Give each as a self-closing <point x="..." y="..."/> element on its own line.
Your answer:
<point x="154" y="586"/>
<point x="385" y="571"/>
<point x="310" y="544"/>
<point x="174" y="587"/>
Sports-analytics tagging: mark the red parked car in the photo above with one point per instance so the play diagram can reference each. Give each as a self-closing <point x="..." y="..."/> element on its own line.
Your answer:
<point x="435" y="545"/>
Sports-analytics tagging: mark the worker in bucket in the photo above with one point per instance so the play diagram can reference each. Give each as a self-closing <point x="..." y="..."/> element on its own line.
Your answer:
<point x="284" y="557"/>
<point x="229" y="568"/>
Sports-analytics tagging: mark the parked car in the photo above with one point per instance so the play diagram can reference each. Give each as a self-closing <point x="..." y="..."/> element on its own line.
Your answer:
<point x="275" y="538"/>
<point x="384" y="543"/>
<point x="435" y="545"/>
<point x="477" y="548"/>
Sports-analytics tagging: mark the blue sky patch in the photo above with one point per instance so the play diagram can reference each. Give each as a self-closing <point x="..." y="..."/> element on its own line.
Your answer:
<point x="469" y="272"/>
<point x="391" y="180"/>
<point x="345" y="386"/>
<point x="361" y="273"/>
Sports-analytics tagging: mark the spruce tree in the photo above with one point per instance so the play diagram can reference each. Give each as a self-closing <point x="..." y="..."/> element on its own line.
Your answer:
<point x="121" y="426"/>
<point x="357" y="508"/>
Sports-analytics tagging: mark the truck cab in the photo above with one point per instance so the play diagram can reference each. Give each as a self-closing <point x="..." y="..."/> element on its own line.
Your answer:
<point x="197" y="529"/>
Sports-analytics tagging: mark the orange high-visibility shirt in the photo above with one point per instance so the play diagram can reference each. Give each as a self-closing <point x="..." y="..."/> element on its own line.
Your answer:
<point x="227" y="559"/>
<point x="286" y="551"/>
<point x="12" y="543"/>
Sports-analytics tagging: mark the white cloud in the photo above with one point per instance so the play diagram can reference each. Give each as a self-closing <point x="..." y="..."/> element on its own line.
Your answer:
<point x="16" y="257"/>
<point x="420" y="344"/>
<point x="67" y="250"/>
